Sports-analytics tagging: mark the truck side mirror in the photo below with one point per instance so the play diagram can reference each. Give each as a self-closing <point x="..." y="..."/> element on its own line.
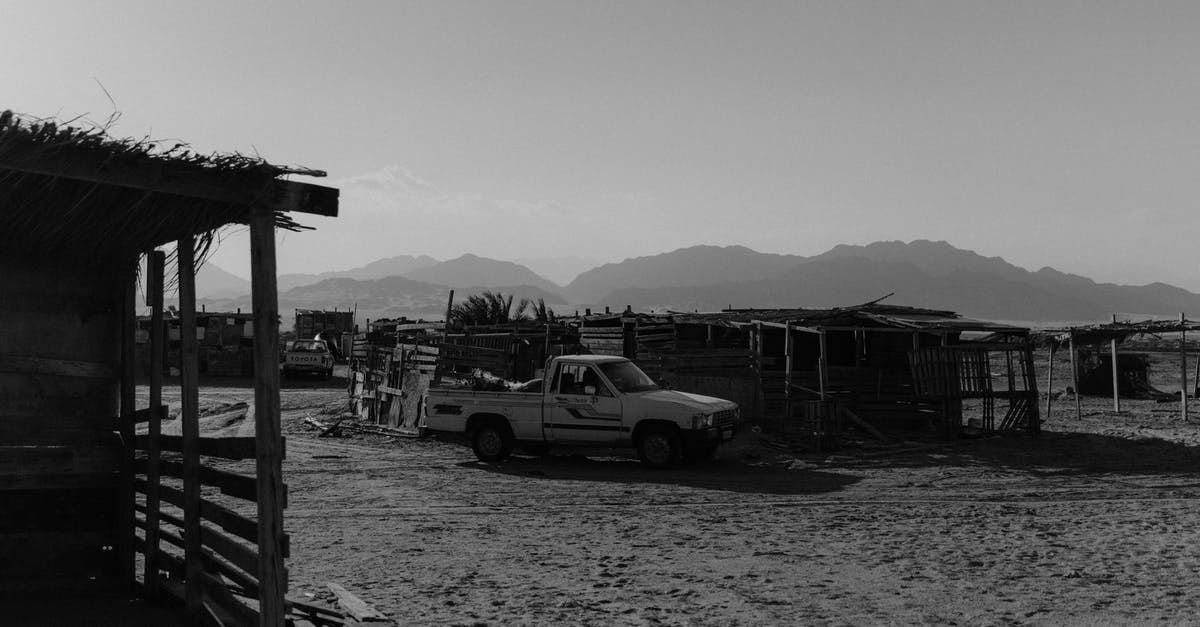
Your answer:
<point x="590" y="390"/>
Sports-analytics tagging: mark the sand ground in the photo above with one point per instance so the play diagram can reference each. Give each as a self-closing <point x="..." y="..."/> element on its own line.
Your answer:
<point x="1095" y="522"/>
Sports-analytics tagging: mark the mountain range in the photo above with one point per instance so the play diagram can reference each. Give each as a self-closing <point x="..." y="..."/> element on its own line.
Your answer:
<point x="708" y="278"/>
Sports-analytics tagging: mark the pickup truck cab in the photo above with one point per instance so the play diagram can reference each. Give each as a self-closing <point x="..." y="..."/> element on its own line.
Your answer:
<point x="309" y="356"/>
<point x="593" y="401"/>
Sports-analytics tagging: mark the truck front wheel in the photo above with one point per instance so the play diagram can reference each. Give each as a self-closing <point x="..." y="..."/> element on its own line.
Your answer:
<point x="492" y="442"/>
<point x="659" y="447"/>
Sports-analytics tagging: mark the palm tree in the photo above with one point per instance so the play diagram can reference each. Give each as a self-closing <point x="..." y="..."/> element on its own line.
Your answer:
<point x="486" y="308"/>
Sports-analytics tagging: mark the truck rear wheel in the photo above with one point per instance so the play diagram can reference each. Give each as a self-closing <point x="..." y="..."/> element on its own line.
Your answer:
<point x="659" y="447"/>
<point x="492" y="442"/>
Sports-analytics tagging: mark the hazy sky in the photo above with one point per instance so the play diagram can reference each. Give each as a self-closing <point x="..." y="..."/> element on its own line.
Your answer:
<point x="1049" y="133"/>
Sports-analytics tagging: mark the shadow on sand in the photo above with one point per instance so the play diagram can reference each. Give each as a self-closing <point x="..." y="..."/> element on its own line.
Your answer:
<point x="719" y="475"/>
<point x="1052" y="453"/>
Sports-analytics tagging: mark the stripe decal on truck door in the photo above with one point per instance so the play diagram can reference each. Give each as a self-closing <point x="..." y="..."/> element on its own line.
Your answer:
<point x="587" y="427"/>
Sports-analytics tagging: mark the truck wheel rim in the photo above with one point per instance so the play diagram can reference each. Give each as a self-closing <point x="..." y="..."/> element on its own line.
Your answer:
<point x="657" y="448"/>
<point x="489" y="442"/>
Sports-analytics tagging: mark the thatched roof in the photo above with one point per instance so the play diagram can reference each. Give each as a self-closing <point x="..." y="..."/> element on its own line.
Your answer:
<point x="76" y="191"/>
<point x="1119" y="331"/>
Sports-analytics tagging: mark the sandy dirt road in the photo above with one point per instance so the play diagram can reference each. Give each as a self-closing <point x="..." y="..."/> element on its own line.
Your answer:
<point x="1096" y="522"/>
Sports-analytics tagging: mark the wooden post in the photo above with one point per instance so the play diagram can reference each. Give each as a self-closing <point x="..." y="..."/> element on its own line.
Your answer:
<point x="759" y="408"/>
<point x="189" y="384"/>
<point x="272" y="580"/>
<point x="125" y="515"/>
<point x="1075" y="375"/>
<point x="1183" y="402"/>
<point x="155" y="261"/>
<point x="1050" y="382"/>
<point x="789" y="344"/>
<point x="822" y="363"/>
<point x="1116" y="378"/>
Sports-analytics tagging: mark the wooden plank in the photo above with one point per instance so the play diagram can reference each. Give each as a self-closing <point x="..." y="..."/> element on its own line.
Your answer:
<point x="155" y="264"/>
<point x="145" y="414"/>
<point x="269" y="461"/>
<point x="225" y="518"/>
<point x="230" y="484"/>
<point x="57" y="367"/>
<point x="358" y="609"/>
<point x="238" y="554"/>
<point x="383" y="389"/>
<point x="126" y="566"/>
<point x="190" y="417"/>
<point x="232" y="447"/>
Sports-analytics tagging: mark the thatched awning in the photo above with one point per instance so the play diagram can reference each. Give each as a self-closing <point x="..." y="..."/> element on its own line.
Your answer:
<point x="67" y="191"/>
<point x="1119" y="331"/>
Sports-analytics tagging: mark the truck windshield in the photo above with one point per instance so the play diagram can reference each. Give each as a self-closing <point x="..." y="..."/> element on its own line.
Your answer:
<point x="308" y="346"/>
<point x="628" y="377"/>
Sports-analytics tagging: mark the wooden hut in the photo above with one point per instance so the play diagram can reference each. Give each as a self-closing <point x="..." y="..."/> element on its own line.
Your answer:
<point x="803" y="371"/>
<point x="79" y="493"/>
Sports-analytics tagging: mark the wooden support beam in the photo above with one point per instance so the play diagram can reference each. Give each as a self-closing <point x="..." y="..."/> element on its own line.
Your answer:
<point x="231" y="447"/>
<point x="190" y="417"/>
<point x="1049" y="382"/>
<point x="1116" y="377"/>
<point x="155" y="177"/>
<point x="155" y="263"/>
<point x="823" y="365"/>
<point x="128" y="318"/>
<point x="1075" y="375"/>
<point x="1183" y="400"/>
<point x="788" y="368"/>
<point x="269" y="463"/>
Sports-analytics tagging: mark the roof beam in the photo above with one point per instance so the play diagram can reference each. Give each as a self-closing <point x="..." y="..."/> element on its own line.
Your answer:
<point x="162" y="178"/>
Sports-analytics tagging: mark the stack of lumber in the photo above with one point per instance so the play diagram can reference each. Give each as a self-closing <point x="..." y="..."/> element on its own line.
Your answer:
<point x="603" y="340"/>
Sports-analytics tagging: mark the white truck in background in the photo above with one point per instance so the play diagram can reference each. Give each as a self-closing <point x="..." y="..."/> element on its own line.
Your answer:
<point x="588" y="401"/>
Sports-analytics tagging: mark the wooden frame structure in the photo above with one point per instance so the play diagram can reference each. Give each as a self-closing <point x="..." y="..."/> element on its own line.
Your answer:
<point x="1073" y="339"/>
<point x="78" y="209"/>
<point x="808" y="372"/>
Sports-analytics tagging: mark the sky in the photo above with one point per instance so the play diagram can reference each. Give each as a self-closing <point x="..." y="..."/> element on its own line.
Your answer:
<point x="1061" y="134"/>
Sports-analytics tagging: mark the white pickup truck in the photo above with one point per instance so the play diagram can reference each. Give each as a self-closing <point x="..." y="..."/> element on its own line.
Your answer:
<point x="592" y="401"/>
<point x="308" y="356"/>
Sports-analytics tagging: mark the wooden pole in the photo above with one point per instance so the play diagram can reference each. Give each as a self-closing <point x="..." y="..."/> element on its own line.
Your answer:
<point x="189" y="384"/>
<point x="125" y="516"/>
<point x="821" y="366"/>
<point x="272" y="580"/>
<point x="1049" y="382"/>
<point x="1075" y="376"/>
<point x="1183" y="402"/>
<point x="758" y="357"/>
<point x="1116" y="378"/>
<point x="155" y="261"/>
<point x="789" y="344"/>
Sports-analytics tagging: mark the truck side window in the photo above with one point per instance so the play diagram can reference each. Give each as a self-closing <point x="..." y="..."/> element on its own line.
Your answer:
<point x="570" y="379"/>
<point x="591" y="378"/>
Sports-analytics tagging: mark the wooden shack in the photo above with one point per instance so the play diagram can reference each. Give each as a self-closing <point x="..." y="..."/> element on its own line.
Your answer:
<point x="80" y="491"/>
<point x="806" y="371"/>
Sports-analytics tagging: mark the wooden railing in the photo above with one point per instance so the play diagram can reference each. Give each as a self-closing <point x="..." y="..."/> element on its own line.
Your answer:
<point x="228" y="533"/>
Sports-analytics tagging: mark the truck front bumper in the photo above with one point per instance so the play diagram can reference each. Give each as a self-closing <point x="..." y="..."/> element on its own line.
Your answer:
<point x="701" y="438"/>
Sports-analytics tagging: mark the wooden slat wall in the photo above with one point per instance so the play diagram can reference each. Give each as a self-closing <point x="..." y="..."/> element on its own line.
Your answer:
<point x="59" y="334"/>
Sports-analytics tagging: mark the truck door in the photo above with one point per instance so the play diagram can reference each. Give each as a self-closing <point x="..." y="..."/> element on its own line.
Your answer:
<point x="582" y="407"/>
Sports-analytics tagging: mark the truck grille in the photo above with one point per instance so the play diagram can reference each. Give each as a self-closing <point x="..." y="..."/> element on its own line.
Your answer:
<point x="725" y="418"/>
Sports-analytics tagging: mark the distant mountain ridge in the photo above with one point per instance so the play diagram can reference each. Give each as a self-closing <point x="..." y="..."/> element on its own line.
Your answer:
<point x="919" y="273"/>
<point x="694" y="266"/>
<point x="470" y="270"/>
<point x="399" y="265"/>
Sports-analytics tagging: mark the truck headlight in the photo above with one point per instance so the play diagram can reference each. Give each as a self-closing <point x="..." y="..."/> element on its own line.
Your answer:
<point x="702" y="421"/>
